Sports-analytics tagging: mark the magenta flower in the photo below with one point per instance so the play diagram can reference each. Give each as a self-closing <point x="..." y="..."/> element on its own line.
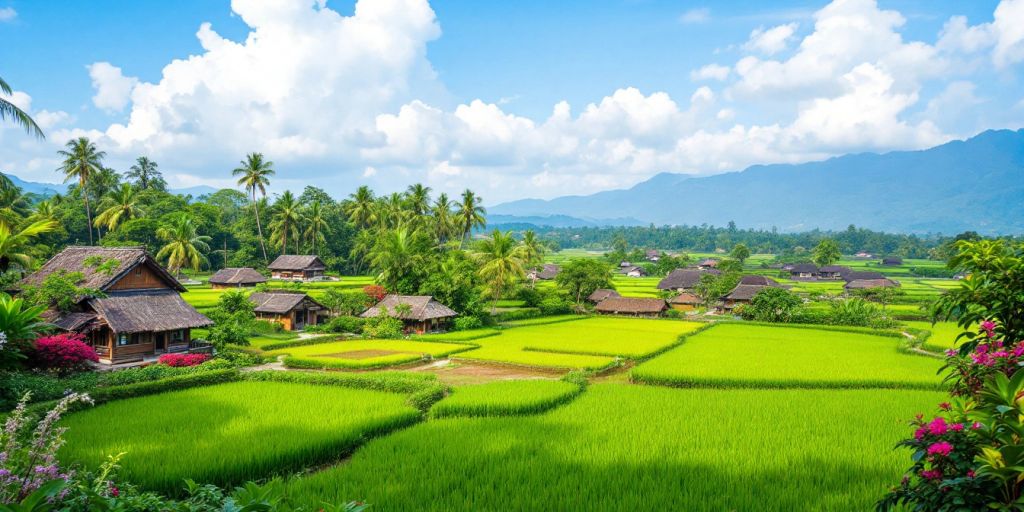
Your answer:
<point x="976" y="426"/>
<point x="940" y="448"/>
<point x="988" y="326"/>
<point x="957" y="427"/>
<point x="919" y="433"/>
<point x="945" y="406"/>
<point x="938" y="426"/>
<point x="931" y="474"/>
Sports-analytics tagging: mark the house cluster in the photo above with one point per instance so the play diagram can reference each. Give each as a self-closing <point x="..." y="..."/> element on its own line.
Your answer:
<point x="854" y="279"/>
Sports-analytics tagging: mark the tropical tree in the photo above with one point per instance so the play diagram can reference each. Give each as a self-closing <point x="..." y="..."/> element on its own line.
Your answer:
<point x="185" y="246"/>
<point x="579" y="277"/>
<point x="284" y="223"/>
<point x="826" y="252"/>
<point x="13" y="205"/>
<point x="397" y="257"/>
<point x="444" y="220"/>
<point x="316" y="224"/>
<point x="81" y="161"/>
<point x="740" y="252"/>
<point x="419" y="198"/>
<point x="20" y="323"/>
<point x="10" y="110"/>
<point x="360" y="207"/>
<point x="146" y="174"/>
<point x="119" y="206"/>
<point x="470" y="214"/>
<point x="254" y="174"/>
<point x="13" y="245"/>
<point x="533" y="249"/>
<point x="501" y="263"/>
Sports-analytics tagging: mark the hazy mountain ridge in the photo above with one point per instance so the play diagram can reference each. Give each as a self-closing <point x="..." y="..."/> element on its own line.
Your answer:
<point x="49" y="189"/>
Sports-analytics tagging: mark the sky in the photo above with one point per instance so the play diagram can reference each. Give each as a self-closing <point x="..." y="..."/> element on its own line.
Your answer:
<point x="512" y="99"/>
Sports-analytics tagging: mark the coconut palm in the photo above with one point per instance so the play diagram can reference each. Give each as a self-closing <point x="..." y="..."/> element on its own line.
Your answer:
<point x="13" y="205"/>
<point x="444" y="219"/>
<point x="146" y="174"/>
<point x="185" y="246"/>
<point x="470" y="214"/>
<point x="316" y="224"/>
<point x="284" y="223"/>
<point x="418" y="197"/>
<point x="396" y="254"/>
<point x="81" y="161"/>
<point x="13" y="244"/>
<point x="255" y="173"/>
<point x="533" y="249"/>
<point x="44" y="210"/>
<point x="360" y="207"/>
<point x="119" y="206"/>
<point x="501" y="263"/>
<point x="10" y="110"/>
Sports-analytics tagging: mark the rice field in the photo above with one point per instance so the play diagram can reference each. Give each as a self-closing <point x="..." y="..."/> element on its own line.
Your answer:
<point x="364" y="354"/>
<point x="229" y="433"/>
<point x="943" y="334"/>
<point x="622" y="447"/>
<point x="204" y="297"/>
<point x="738" y="355"/>
<point x="505" y="398"/>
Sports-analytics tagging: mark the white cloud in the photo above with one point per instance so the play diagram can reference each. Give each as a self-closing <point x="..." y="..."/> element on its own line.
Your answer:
<point x="113" y="89"/>
<point x="772" y="40"/>
<point x="8" y="14"/>
<point x="711" y="72"/>
<point x="696" y="15"/>
<point x="1008" y="25"/>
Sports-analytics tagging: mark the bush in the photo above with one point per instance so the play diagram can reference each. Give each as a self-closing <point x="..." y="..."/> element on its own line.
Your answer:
<point x="771" y="305"/>
<point x="555" y="305"/>
<point x="465" y="323"/>
<point x="530" y="296"/>
<point x="42" y="386"/>
<point x="375" y="292"/>
<point x="345" y="324"/>
<point x="266" y="327"/>
<point x="858" y="312"/>
<point x="64" y="353"/>
<point x="382" y="326"/>
<point x="182" y="360"/>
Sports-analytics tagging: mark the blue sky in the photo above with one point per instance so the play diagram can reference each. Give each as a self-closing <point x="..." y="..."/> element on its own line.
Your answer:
<point x="466" y="93"/>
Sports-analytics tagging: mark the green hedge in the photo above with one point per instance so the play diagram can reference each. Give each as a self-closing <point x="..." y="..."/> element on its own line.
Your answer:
<point x="395" y="382"/>
<point x="269" y="347"/>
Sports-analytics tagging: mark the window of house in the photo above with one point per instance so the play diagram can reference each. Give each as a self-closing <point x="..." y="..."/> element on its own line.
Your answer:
<point x="177" y="336"/>
<point x="127" y="339"/>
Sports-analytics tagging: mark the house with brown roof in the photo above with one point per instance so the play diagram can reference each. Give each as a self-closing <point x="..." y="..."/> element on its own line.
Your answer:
<point x="545" y="272"/>
<point x="634" y="271"/>
<point x="860" y="275"/>
<point x="803" y="271"/>
<point x="892" y="261"/>
<point x="685" y="301"/>
<point x="758" y="280"/>
<point x="832" y="272"/>
<point x="602" y="294"/>
<point x="742" y="294"/>
<point x="652" y="255"/>
<point x="863" y="284"/>
<point x="293" y="310"/>
<point x="236" y="278"/>
<point x="419" y="313"/>
<point x="297" y="267"/>
<point x="631" y="306"/>
<point x="684" y="278"/>
<point x="141" y="313"/>
<point x="708" y="264"/>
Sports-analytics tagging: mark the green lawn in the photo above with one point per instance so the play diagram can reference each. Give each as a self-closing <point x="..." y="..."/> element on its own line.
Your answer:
<point x="360" y="354"/>
<point x="232" y="432"/>
<point x="621" y="447"/>
<point x="505" y="397"/>
<point x="738" y="355"/>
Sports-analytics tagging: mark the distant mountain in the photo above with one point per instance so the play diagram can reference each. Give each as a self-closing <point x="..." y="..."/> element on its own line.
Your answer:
<point x="196" y="191"/>
<point x="557" y="221"/>
<point x="43" y="189"/>
<point x="976" y="184"/>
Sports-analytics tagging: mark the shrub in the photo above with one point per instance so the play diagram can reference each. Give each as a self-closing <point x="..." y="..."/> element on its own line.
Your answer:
<point x="465" y="323"/>
<point x="375" y="292"/>
<point x="181" y="360"/>
<point x="555" y="305"/>
<point x="345" y="324"/>
<point x="530" y="296"/>
<point x="42" y="386"/>
<point x="771" y="305"/>
<point x="64" y="353"/>
<point x="382" y="326"/>
<point x="858" y="312"/>
<point x="266" y="327"/>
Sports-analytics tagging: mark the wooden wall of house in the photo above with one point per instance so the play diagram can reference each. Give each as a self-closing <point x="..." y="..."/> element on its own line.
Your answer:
<point x="139" y="278"/>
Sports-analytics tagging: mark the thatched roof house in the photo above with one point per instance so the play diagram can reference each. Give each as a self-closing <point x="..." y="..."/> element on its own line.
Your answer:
<point x="652" y="255"/>
<point x="420" y="313"/>
<point x="631" y="306"/>
<point x="684" y="278"/>
<point x="142" y="313"/>
<point x="302" y="267"/>
<point x="757" y="280"/>
<point x="803" y="270"/>
<point x="893" y="261"/>
<point x="832" y="271"/>
<point x="236" y="278"/>
<point x="741" y="294"/>
<point x="685" y="301"/>
<point x="293" y="310"/>
<point x="857" y="276"/>
<point x="602" y="294"/>
<point x="708" y="263"/>
<point x="634" y="271"/>
<point x="862" y="284"/>
<point x="544" y="272"/>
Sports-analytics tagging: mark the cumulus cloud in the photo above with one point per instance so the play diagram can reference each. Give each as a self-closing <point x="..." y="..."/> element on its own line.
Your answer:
<point x="771" y="41"/>
<point x="113" y="89"/>
<point x="711" y="72"/>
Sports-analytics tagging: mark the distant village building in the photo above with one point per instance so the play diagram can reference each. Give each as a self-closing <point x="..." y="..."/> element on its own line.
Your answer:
<point x="545" y="272"/>
<point x="832" y="271"/>
<point x="803" y="271"/>
<point x="236" y="278"/>
<point x="860" y="275"/>
<point x="685" y="301"/>
<point x="631" y="306"/>
<point x="864" y="255"/>
<point x="684" y="278"/>
<point x="602" y="294"/>
<point x="625" y="264"/>
<point x="142" y="314"/>
<point x="297" y="267"/>
<point x="892" y="261"/>
<point x="634" y="271"/>
<point x="707" y="264"/>
<point x="652" y="255"/>
<point x="742" y="294"/>
<point x="419" y="313"/>
<point x="757" y="280"/>
<point x="294" y="311"/>
<point x="863" y="284"/>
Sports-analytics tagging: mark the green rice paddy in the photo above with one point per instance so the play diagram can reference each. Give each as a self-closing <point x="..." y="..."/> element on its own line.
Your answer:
<point x="505" y="397"/>
<point x="364" y="354"/>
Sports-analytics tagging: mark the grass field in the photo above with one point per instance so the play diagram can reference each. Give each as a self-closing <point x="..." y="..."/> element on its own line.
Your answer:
<point x="621" y="447"/>
<point x="737" y="355"/>
<point x="232" y="432"/>
<point x="943" y="337"/>
<point x="362" y="354"/>
<point x="204" y="297"/>
<point x="505" y="398"/>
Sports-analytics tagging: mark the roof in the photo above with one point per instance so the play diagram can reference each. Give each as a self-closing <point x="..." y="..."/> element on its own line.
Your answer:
<point x="421" y="308"/>
<point x="548" y="271"/>
<point x="744" y="292"/>
<point x="804" y="268"/>
<point x="602" y="294"/>
<point x="871" y="283"/>
<point x="683" y="278"/>
<point x="74" y="321"/>
<point x="855" y="276"/>
<point x="147" y="310"/>
<point x="892" y="260"/>
<point x="631" y="305"/>
<point x="834" y="268"/>
<point x="651" y="253"/>
<point x="296" y="262"/>
<point x="634" y="268"/>
<point x="685" y="298"/>
<point x="708" y="263"/>
<point x="244" y="275"/>
<point x="278" y="302"/>
<point x="759" y="281"/>
<point x="80" y="259"/>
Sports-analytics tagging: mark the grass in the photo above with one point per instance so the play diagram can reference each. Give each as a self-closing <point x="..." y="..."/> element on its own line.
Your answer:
<point x="230" y="433"/>
<point x="364" y="354"/>
<point x="738" y="355"/>
<point x="505" y="398"/>
<point x="620" y="447"/>
<point x="943" y="335"/>
<point x="203" y="297"/>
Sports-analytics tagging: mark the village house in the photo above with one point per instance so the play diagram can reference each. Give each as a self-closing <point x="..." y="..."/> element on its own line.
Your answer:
<point x="631" y="306"/>
<point x="141" y="314"/>
<point x="602" y="294"/>
<point x="708" y="264"/>
<point x="545" y="272"/>
<point x="236" y="278"/>
<point x="758" y="280"/>
<point x="419" y="313"/>
<point x="293" y="310"/>
<point x="742" y="294"/>
<point x="634" y="271"/>
<point x="892" y="261"/>
<point x="297" y="267"/>
<point x="652" y="255"/>
<point x="625" y="264"/>
<point x="684" y="279"/>
<point x="832" y="272"/>
<point x="858" y="276"/>
<point x="685" y="301"/>
<point x="803" y="271"/>
<point x="864" y="284"/>
<point x="864" y="255"/>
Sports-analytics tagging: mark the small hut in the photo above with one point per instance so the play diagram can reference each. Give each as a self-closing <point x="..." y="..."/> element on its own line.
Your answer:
<point x="684" y="278"/>
<point x="294" y="311"/>
<point x="419" y="313"/>
<point x="859" y="276"/>
<point x="685" y="301"/>
<point x="297" y="267"/>
<point x="757" y="280"/>
<point x="631" y="306"/>
<point x="803" y="271"/>
<point x="236" y="278"/>
<point x="832" y="272"/>
<point x="742" y="294"/>
<point x="602" y="294"/>
<point x="545" y="272"/>
<point x="892" y="261"/>
<point x="863" y="284"/>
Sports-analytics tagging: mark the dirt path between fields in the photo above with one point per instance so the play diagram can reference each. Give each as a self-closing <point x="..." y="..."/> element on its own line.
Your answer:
<point x="463" y="372"/>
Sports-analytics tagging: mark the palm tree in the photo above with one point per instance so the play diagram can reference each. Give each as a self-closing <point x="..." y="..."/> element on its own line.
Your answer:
<point x="185" y="246"/>
<point x="470" y="214"/>
<point x="81" y="161"/>
<point x="317" y="225"/>
<point x="13" y="245"/>
<point x="419" y="198"/>
<point x="45" y="210"/>
<point x="359" y="208"/>
<point x="284" y="224"/>
<point x="8" y="109"/>
<point x="255" y="175"/>
<point x="397" y="253"/>
<point x="13" y="205"/>
<point x="146" y="175"/>
<point x="533" y="250"/>
<point x="501" y="263"/>
<point x="444" y="221"/>
<point x="119" y="206"/>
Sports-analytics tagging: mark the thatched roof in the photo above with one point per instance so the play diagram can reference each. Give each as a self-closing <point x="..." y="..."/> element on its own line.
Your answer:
<point x="861" y="284"/>
<point x="279" y="303"/>
<point x="759" y="281"/>
<point x="547" y="271"/>
<point x="834" y="269"/>
<point x="147" y="311"/>
<point x="685" y="298"/>
<point x="744" y="292"/>
<point x="683" y="278"/>
<point x="708" y="263"/>
<point x="651" y="253"/>
<point x="87" y="259"/>
<point x="892" y="260"/>
<point x="421" y="308"/>
<point x="297" y="262"/>
<point x="602" y="294"/>
<point x="630" y="305"/>
<point x="804" y="268"/>
<point x="634" y="268"/>
<point x="74" y="321"/>
<point x="857" y="276"/>
<point x="244" y="275"/>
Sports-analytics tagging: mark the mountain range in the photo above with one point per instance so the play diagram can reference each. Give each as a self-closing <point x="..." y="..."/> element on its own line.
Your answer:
<point x="974" y="184"/>
<point x="49" y="189"/>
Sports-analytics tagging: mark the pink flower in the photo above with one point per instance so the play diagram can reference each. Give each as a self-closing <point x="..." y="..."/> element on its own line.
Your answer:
<point x="931" y="474"/>
<point x="988" y="326"/>
<point x="952" y="353"/>
<point x="941" y="448"/>
<point x="957" y="427"/>
<point x="981" y="348"/>
<point x="976" y="426"/>
<point x="938" y="426"/>
<point x="970" y="473"/>
<point x="919" y="433"/>
<point x="945" y="406"/>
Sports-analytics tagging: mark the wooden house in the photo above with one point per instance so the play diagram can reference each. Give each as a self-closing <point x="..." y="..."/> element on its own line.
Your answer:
<point x="858" y="276"/>
<point x="892" y="261"/>
<point x="709" y="263"/>
<point x="631" y="306"/>
<point x="803" y="271"/>
<point x="297" y="267"/>
<point x="419" y="313"/>
<point x="141" y="314"/>
<point x="544" y="272"/>
<point x="684" y="278"/>
<point x="293" y="310"/>
<point x="236" y="278"/>
<point x="742" y="294"/>
<point x="758" y="280"/>
<point x="685" y="301"/>
<point x="634" y="271"/>
<point x="652" y="255"/>
<point x="832" y="272"/>
<point x="863" y="284"/>
<point x="601" y="294"/>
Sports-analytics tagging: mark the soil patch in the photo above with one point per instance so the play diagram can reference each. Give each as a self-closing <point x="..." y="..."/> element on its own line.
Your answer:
<point x="365" y="354"/>
<point x="473" y="373"/>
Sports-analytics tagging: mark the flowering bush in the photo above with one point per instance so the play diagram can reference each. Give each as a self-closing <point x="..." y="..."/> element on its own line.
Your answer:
<point x="180" y="360"/>
<point x="64" y="353"/>
<point x="375" y="292"/>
